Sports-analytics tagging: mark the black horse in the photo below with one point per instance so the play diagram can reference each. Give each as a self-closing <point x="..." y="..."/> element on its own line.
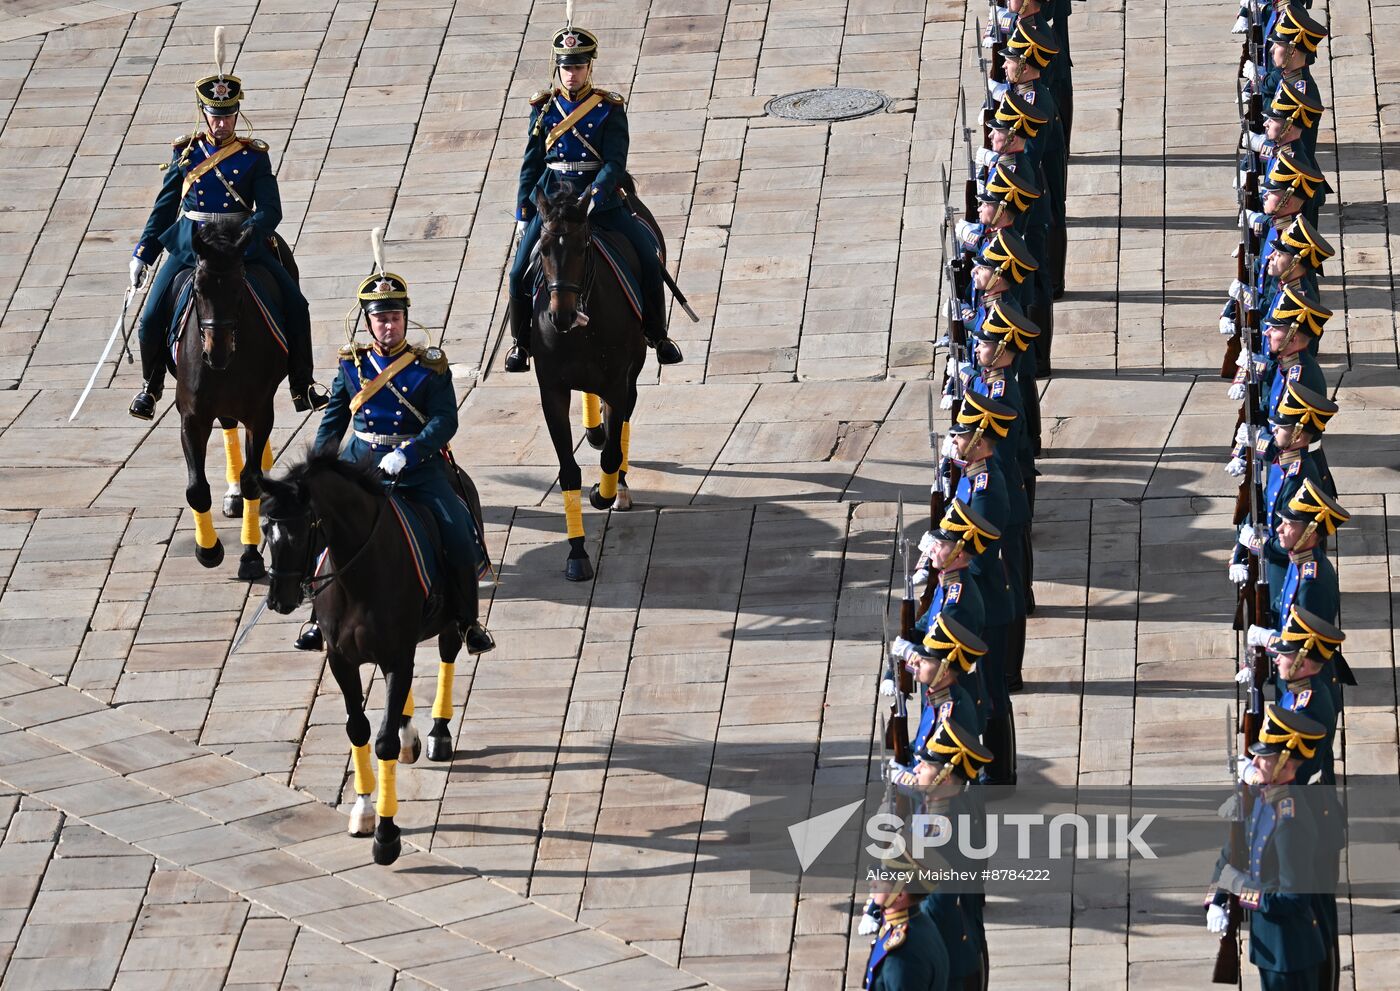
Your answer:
<point x="228" y="367"/>
<point x="371" y="609"/>
<point x="588" y="339"/>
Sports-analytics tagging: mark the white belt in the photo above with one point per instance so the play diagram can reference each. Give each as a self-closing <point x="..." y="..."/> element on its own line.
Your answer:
<point x="383" y="440"/>
<point x="574" y="166"/>
<point x="200" y="216"/>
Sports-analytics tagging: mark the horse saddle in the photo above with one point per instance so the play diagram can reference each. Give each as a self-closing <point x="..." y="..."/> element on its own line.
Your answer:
<point x="180" y="299"/>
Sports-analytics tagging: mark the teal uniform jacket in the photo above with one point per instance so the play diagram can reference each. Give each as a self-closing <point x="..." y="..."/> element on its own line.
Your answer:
<point x="950" y="702"/>
<point x="1312" y="696"/>
<point x="1286" y="937"/>
<point x="983" y="488"/>
<point x="958" y="596"/>
<point x="908" y="955"/>
<point x="415" y="414"/>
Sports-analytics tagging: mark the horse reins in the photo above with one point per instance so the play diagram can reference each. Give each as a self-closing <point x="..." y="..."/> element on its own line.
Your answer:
<point x="312" y="584"/>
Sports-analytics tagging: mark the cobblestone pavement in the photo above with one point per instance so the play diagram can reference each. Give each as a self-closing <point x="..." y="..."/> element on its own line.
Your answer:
<point x="174" y="818"/>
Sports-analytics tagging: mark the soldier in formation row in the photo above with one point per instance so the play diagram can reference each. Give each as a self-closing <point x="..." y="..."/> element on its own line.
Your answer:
<point x="1281" y="864"/>
<point x="1004" y="268"/>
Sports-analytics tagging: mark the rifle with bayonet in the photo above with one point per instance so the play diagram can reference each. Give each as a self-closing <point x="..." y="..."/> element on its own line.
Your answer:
<point x="1227" y="957"/>
<point x="970" y="187"/>
<point x="896" y="729"/>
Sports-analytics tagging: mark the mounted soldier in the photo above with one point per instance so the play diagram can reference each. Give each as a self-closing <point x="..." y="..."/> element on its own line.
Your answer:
<point x="216" y="175"/>
<point x="400" y="402"/>
<point x="579" y="139"/>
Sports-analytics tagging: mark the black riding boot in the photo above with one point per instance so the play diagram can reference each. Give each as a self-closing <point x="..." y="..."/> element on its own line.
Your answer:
<point x="310" y="637"/>
<point x="477" y="638"/>
<point x="654" y="327"/>
<point x="1000" y="738"/>
<point x="301" y="373"/>
<point x="518" y="357"/>
<point x="143" y="407"/>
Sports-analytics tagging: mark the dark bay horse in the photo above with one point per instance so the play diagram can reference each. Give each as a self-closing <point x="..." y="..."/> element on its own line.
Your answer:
<point x="371" y="611"/>
<point x="586" y="338"/>
<point x="228" y="366"/>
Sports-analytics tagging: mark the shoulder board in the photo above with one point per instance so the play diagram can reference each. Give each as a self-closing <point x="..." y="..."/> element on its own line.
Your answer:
<point x="432" y="359"/>
<point x="183" y="140"/>
<point x="255" y="143"/>
<point x="353" y="350"/>
<point x="540" y="97"/>
<point x="612" y="97"/>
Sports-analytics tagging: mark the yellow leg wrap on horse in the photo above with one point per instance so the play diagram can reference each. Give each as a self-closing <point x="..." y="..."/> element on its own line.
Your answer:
<point x="607" y="485"/>
<point x="573" y="512"/>
<point x="592" y="411"/>
<point x="233" y="456"/>
<point x="252" y="525"/>
<point x="204" y="534"/>
<point x="388" y="803"/>
<point x="626" y="442"/>
<point x="267" y="456"/>
<point x="442" y="704"/>
<point x="408" y="704"/>
<point x="364" y="770"/>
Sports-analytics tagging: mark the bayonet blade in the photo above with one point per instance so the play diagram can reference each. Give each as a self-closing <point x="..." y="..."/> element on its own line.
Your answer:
<point x="257" y="615"/>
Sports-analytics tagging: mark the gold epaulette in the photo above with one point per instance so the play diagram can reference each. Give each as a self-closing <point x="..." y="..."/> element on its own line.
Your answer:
<point x="612" y="97"/>
<point x="432" y="359"/>
<point x="352" y="349"/>
<point x="256" y="144"/>
<point x="183" y="140"/>
<point x="540" y="97"/>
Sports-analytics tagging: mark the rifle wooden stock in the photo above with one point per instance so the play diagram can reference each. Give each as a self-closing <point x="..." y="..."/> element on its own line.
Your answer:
<point x="897" y="736"/>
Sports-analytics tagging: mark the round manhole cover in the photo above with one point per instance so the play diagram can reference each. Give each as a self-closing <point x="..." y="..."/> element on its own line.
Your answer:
<point x="831" y="103"/>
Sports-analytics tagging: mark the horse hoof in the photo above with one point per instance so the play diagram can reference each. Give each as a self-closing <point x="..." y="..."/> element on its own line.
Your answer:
<point x="439" y="742"/>
<point x="250" y="565"/>
<point x="211" y="557"/>
<point x="596" y="436"/>
<point x="597" y="501"/>
<point x="233" y="506"/>
<point x="386" y="853"/>
<point x="578" y="569"/>
<point x="410" y="744"/>
<point x="624" y="499"/>
<point x="362" y="817"/>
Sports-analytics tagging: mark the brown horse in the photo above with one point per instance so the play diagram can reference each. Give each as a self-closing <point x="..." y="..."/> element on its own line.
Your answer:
<point x="599" y="355"/>
<point x="228" y="366"/>
<point x="371" y="610"/>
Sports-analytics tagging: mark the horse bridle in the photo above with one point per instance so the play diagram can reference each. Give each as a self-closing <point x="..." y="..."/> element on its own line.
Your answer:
<point x="559" y="285"/>
<point x="210" y="325"/>
<point x="312" y="584"/>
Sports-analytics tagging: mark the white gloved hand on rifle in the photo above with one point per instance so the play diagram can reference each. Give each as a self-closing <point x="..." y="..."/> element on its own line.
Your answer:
<point x="1235" y="468"/>
<point x="1236" y="289"/>
<point x="1227" y="327"/>
<point x="1241" y="25"/>
<point x="1250" y="538"/>
<point x="1239" y="573"/>
<point x="920" y="576"/>
<point x="1244" y="434"/>
<point x="1258" y="636"/>
<point x="1236" y="391"/>
<point x="926" y="543"/>
<point x="949" y="448"/>
<point x="986" y="158"/>
<point x="870" y="918"/>
<point x="1243" y="676"/>
<point x="1217" y="919"/>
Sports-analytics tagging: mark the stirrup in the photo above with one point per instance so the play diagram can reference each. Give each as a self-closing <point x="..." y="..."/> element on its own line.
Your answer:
<point x="143" y="406"/>
<point x="667" y="352"/>
<point x="517" y="359"/>
<point x="478" y="639"/>
<point x="310" y="637"/>
<point x="312" y="399"/>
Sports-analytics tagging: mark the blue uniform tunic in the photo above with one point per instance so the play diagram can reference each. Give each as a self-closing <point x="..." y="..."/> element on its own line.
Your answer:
<point x="388" y="422"/>
<point x="958" y="596"/>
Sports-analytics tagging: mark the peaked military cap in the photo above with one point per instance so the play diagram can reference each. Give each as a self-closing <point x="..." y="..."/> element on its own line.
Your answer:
<point x="1294" y="308"/>
<point x="1296" y="27"/>
<point x="383" y="291"/>
<point x="1286" y="731"/>
<point x="1316" y="507"/>
<point x="219" y="95"/>
<point x="1006" y="252"/>
<point x="1009" y="188"/>
<point x="1301" y="238"/>
<point x="961" y="525"/>
<point x="1297" y="106"/>
<point x="982" y="414"/>
<point x="1007" y="323"/>
<point x="1028" y="43"/>
<point x="957" y="748"/>
<point x="1300" y="406"/>
<point x="952" y="643"/>
<point x="1016" y="115"/>
<point x="1290" y="173"/>
<point x="574" y="46"/>
<point x="1308" y="634"/>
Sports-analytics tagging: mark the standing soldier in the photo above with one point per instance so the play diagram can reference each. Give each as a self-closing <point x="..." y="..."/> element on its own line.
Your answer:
<point x="949" y="652"/>
<point x="1293" y="45"/>
<point x="216" y="175"/>
<point x="579" y="139"/>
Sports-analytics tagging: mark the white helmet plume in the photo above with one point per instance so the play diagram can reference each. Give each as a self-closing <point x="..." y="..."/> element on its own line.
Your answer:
<point x="376" y="241"/>
<point x="219" y="50"/>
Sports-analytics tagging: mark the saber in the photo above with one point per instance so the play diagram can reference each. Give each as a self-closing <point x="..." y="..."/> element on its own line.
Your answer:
<point x="92" y="379"/>
<point x="676" y="292"/>
<point x="238" y="642"/>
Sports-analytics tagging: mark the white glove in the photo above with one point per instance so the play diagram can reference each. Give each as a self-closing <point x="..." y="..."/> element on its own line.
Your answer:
<point x="887" y="688"/>
<point x="1241" y="26"/>
<point x="1249" y="774"/>
<point x="1227" y="327"/>
<point x="998" y="90"/>
<point x="1250" y="539"/>
<point x="950" y="449"/>
<point x="1239" y="573"/>
<point x="1217" y="919"/>
<point x="138" y="272"/>
<point x="1258" y="636"/>
<point x="988" y="41"/>
<point x="1256" y="219"/>
<point x="520" y="227"/>
<point x="1235" y="468"/>
<point x="1254" y="142"/>
<point x="1244" y="676"/>
<point x="393" y="463"/>
<point x="968" y="232"/>
<point x="920" y="576"/>
<point x="869" y="922"/>
<point x="926" y="543"/>
<point x="1236" y="391"/>
<point x="968" y="314"/>
<point x="946" y="402"/>
<point x="1236" y="289"/>
<point x="986" y="157"/>
<point x="1243" y="435"/>
<point x="1249" y="71"/>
